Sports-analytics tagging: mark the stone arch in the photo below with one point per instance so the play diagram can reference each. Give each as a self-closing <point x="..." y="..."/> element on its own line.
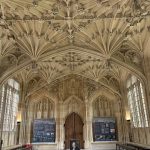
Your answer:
<point x="14" y="71"/>
<point x="140" y="83"/>
<point x="40" y="94"/>
<point x="34" y="113"/>
<point x="74" y="129"/>
<point x="103" y="92"/>
<point x="103" y="107"/>
<point x="73" y="97"/>
<point x="74" y="104"/>
<point x="138" y="77"/>
<point x="75" y="113"/>
<point x="44" y="106"/>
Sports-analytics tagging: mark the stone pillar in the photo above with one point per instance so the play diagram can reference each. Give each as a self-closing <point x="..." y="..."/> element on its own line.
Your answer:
<point x="90" y="114"/>
<point x="57" y="122"/>
<point x="29" y="127"/>
<point x="86" y="126"/>
<point x="22" y="107"/>
<point x="57" y="132"/>
<point x="61" y="127"/>
<point x="62" y="136"/>
<point x="24" y="128"/>
<point x="124" y="105"/>
<point x="22" y="125"/>
<point x="56" y="116"/>
<point x="89" y="125"/>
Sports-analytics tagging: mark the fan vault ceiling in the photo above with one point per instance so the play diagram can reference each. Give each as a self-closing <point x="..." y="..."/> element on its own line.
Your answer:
<point x="44" y="41"/>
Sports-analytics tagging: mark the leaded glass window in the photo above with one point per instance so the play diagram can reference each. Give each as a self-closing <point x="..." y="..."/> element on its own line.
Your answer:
<point x="9" y="104"/>
<point x="136" y="102"/>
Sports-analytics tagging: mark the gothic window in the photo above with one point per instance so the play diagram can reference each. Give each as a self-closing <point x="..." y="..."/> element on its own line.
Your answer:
<point x="136" y="102"/>
<point x="9" y="104"/>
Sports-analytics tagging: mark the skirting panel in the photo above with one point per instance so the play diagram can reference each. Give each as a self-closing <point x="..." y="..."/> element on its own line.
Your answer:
<point x="44" y="146"/>
<point x="103" y="145"/>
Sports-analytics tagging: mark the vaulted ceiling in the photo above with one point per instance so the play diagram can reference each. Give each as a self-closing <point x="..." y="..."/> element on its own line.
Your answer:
<point x="50" y="39"/>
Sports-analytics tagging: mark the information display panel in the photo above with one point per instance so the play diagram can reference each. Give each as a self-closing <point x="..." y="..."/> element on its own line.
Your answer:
<point x="104" y="129"/>
<point x="43" y="130"/>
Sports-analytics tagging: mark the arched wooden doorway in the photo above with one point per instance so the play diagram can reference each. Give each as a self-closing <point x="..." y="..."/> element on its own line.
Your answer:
<point x="73" y="130"/>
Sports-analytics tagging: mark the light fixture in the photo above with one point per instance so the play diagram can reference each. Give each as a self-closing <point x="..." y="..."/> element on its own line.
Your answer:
<point x="128" y="116"/>
<point x="19" y="118"/>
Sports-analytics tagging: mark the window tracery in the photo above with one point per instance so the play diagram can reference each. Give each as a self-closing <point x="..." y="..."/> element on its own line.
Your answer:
<point x="9" y="99"/>
<point x="43" y="109"/>
<point x="102" y="107"/>
<point x="136" y="102"/>
<point x="9" y="104"/>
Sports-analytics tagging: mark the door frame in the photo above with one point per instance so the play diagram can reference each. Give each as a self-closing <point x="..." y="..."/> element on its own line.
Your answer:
<point x="82" y="127"/>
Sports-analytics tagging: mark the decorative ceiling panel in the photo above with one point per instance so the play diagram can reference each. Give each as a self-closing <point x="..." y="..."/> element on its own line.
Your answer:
<point x="54" y="38"/>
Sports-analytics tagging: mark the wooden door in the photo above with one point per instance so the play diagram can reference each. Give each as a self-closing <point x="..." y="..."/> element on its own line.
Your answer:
<point x="73" y="130"/>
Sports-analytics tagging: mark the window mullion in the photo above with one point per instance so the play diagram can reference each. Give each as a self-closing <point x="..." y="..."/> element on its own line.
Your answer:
<point x="136" y="101"/>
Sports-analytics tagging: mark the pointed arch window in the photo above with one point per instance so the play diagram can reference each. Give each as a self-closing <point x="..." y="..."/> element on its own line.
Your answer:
<point x="9" y="104"/>
<point x="136" y="102"/>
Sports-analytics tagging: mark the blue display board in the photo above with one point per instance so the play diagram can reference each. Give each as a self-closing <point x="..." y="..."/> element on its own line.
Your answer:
<point x="43" y="130"/>
<point x="104" y="129"/>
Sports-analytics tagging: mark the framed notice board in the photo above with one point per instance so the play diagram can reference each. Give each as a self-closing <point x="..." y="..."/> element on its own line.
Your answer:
<point x="43" y="130"/>
<point x="104" y="129"/>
